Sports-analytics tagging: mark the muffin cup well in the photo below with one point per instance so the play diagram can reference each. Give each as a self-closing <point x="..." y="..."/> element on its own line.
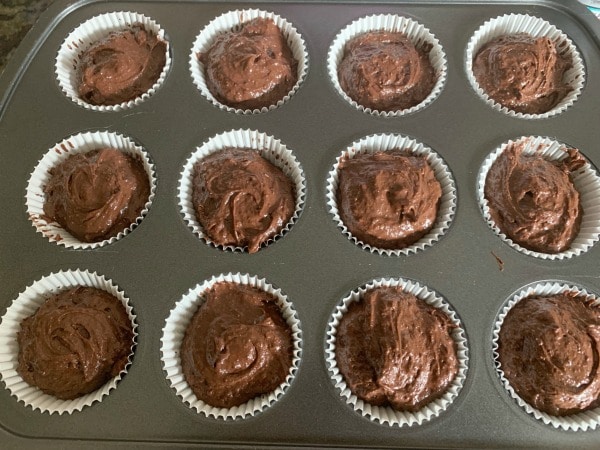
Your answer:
<point x="269" y="148"/>
<point x="418" y="35"/>
<point x="387" y="142"/>
<point x="25" y="305"/>
<point x="174" y="331"/>
<point x="586" y="420"/>
<point x="80" y="143"/>
<point x="536" y="27"/>
<point x="89" y="33"/>
<point x="585" y="180"/>
<point x="233" y="20"/>
<point x="389" y="415"/>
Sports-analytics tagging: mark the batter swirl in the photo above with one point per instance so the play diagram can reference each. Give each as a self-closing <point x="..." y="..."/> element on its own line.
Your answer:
<point x="96" y="195"/>
<point x="388" y="199"/>
<point x="121" y="67"/>
<point x="549" y="352"/>
<point x="251" y="67"/>
<point x="396" y="350"/>
<point x="240" y="198"/>
<point x="75" y="342"/>
<point x="384" y="71"/>
<point x="533" y="200"/>
<point x="237" y="346"/>
<point x="523" y="73"/>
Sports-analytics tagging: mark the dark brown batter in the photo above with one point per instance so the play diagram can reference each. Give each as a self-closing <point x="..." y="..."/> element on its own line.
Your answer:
<point x="237" y="346"/>
<point x="549" y="352"/>
<point x="384" y="71"/>
<point x="396" y="350"/>
<point x="533" y="200"/>
<point x="121" y="67"/>
<point x="240" y="198"/>
<point x="96" y="195"/>
<point x="388" y="199"/>
<point x="523" y="73"/>
<point x="75" y="342"/>
<point x="251" y="67"/>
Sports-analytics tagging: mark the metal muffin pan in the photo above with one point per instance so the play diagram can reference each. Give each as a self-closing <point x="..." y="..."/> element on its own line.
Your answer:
<point x="314" y="263"/>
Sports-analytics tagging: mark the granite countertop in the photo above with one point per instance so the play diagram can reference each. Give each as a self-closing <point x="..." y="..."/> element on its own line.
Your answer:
<point x="16" y="18"/>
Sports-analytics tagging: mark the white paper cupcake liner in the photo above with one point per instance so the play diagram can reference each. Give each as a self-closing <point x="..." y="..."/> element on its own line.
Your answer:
<point x="270" y="148"/>
<point x="536" y="27"/>
<point x="387" y="142"/>
<point x="25" y="305"/>
<point x="587" y="420"/>
<point x="89" y="33"/>
<point x="389" y="415"/>
<point x="585" y="180"/>
<point x="417" y="34"/>
<point x="233" y="20"/>
<point x="80" y="143"/>
<point x="174" y="332"/>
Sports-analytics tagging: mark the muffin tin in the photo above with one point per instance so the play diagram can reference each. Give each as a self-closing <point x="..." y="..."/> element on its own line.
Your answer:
<point x="314" y="263"/>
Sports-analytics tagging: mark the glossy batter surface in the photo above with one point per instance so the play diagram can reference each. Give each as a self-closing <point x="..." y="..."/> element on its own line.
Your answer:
<point x="240" y="198"/>
<point x="523" y="73"/>
<point x="533" y="200"/>
<point x="388" y="199"/>
<point x="396" y="350"/>
<point x="549" y="352"/>
<point x="96" y="195"/>
<point x="237" y="346"/>
<point x="384" y="71"/>
<point x="75" y="342"/>
<point x="251" y="67"/>
<point x="121" y="67"/>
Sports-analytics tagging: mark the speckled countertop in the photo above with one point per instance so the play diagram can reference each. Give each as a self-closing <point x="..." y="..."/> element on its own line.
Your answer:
<point x="16" y="18"/>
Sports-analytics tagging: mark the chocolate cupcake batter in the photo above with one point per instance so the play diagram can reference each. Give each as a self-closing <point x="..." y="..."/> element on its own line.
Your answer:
<point x="96" y="195"/>
<point x="121" y="67"/>
<point x="396" y="350"/>
<point x="548" y="350"/>
<point x="240" y="198"/>
<point x="252" y="67"/>
<point x="533" y="200"/>
<point x="75" y="342"/>
<point x="384" y="71"/>
<point x="388" y="199"/>
<point x="523" y="73"/>
<point x="237" y="346"/>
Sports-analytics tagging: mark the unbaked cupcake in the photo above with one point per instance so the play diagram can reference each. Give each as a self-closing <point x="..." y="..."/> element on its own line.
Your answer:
<point x="541" y="197"/>
<point x="524" y="66"/>
<point x="231" y="346"/>
<point x="391" y="194"/>
<point x="248" y="61"/>
<point x="68" y="340"/>
<point x="545" y="343"/>
<point x="241" y="190"/>
<point x="113" y="61"/>
<point x="387" y="65"/>
<point x="397" y="352"/>
<point x="90" y="190"/>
